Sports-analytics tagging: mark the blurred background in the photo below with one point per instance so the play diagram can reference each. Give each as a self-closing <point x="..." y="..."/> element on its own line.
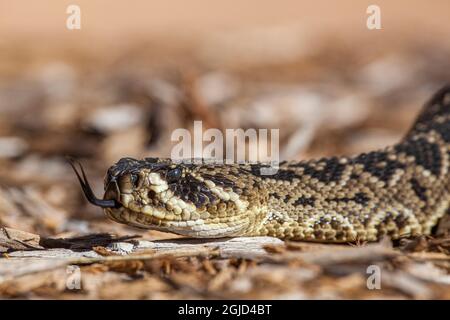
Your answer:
<point x="137" y="70"/>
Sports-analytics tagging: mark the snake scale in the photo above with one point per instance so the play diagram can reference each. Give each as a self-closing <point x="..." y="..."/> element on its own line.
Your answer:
<point x="399" y="191"/>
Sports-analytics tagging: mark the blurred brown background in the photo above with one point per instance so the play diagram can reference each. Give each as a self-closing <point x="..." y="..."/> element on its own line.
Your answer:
<point x="108" y="21"/>
<point x="115" y="25"/>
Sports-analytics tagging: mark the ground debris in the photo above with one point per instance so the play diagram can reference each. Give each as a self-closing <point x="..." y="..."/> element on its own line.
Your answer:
<point x="188" y="268"/>
<point x="12" y="239"/>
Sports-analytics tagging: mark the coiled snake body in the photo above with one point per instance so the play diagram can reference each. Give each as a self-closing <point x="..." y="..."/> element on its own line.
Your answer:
<point x="400" y="191"/>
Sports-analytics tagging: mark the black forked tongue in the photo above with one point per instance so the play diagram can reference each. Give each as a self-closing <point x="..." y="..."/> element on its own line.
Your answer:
<point x="87" y="190"/>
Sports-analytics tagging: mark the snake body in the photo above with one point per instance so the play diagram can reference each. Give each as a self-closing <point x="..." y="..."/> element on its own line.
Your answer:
<point x="399" y="191"/>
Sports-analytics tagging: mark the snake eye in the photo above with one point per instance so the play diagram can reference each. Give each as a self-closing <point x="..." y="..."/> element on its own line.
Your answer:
<point x="134" y="178"/>
<point x="173" y="175"/>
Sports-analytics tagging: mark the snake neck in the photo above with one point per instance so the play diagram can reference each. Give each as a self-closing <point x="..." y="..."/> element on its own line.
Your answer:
<point x="398" y="191"/>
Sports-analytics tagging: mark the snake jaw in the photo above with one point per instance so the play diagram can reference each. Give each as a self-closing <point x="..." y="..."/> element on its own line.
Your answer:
<point x="87" y="190"/>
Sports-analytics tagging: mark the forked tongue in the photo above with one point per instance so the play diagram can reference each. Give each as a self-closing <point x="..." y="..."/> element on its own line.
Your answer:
<point x="87" y="190"/>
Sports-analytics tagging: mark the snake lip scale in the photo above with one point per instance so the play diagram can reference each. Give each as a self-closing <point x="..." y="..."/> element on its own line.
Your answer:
<point x="399" y="191"/>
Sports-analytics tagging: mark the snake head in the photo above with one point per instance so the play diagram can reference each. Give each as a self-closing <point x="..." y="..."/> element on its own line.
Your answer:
<point x="199" y="200"/>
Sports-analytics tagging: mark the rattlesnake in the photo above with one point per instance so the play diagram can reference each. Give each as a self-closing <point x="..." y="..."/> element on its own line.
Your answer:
<point x="399" y="191"/>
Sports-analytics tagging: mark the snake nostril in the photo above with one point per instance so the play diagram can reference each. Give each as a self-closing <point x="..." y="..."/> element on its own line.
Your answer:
<point x="151" y="194"/>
